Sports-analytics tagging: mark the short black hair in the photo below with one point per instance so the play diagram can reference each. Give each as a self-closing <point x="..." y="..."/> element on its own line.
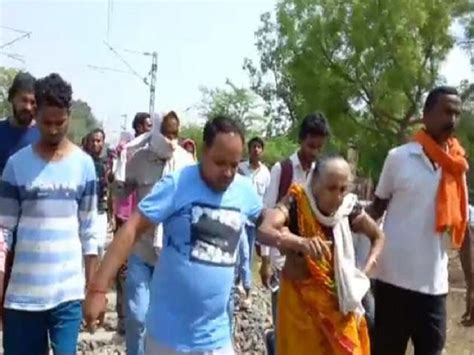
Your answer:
<point x="97" y="130"/>
<point x="139" y="119"/>
<point x="52" y="90"/>
<point x="256" y="140"/>
<point x="435" y="94"/>
<point x="23" y="81"/>
<point x="221" y="124"/>
<point x="314" y="124"/>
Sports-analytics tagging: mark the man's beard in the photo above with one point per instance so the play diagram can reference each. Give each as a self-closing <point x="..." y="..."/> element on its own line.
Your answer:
<point x="23" y="118"/>
<point x="53" y="143"/>
<point x="449" y="128"/>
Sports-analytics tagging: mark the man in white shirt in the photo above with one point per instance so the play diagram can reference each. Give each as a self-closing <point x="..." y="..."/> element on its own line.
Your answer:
<point x="254" y="168"/>
<point x="257" y="171"/>
<point x="313" y="133"/>
<point x="412" y="273"/>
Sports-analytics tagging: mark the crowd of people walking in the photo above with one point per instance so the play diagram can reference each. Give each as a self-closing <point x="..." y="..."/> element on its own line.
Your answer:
<point x="187" y="232"/>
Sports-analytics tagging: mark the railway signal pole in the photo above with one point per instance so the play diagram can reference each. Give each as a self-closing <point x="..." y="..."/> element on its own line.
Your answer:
<point x="153" y="71"/>
<point x="149" y="80"/>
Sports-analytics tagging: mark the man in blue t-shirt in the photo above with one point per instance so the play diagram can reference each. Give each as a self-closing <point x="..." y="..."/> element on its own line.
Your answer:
<point x="203" y="209"/>
<point x="47" y="206"/>
<point x="19" y="130"/>
<point x="16" y="132"/>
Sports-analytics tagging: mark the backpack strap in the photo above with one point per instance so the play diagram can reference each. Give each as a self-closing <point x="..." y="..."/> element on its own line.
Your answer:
<point x="286" y="178"/>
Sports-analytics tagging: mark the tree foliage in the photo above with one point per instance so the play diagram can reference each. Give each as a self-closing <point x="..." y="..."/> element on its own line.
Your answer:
<point x="466" y="129"/>
<point x="276" y="148"/>
<point x="6" y="79"/>
<point x="236" y="102"/>
<point x="365" y="63"/>
<point x="82" y="121"/>
<point x="270" y="80"/>
<point x="82" y="118"/>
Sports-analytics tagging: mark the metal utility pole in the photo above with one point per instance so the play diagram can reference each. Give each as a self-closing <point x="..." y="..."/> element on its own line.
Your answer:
<point x="149" y="80"/>
<point x="125" y="122"/>
<point x="153" y="71"/>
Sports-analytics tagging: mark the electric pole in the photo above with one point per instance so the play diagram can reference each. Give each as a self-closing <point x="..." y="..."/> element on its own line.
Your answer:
<point x="153" y="71"/>
<point x="125" y="122"/>
<point x="149" y="80"/>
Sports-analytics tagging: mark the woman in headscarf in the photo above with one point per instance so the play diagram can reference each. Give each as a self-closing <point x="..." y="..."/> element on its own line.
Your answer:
<point x="320" y="300"/>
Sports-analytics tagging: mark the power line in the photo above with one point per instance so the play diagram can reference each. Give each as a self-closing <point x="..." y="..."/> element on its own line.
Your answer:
<point x="14" y="56"/>
<point x="133" y="71"/>
<point x="109" y="16"/>
<point x="103" y="69"/>
<point x="152" y="74"/>
<point x="13" y="29"/>
<point x="19" y="38"/>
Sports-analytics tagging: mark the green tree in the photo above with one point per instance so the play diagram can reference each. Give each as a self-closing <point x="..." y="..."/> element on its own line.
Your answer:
<point x="466" y="129"/>
<point x="276" y="148"/>
<point x="234" y="101"/>
<point x="6" y="79"/>
<point x="82" y="118"/>
<point x="365" y="63"/>
<point x="270" y="80"/>
<point x="82" y="121"/>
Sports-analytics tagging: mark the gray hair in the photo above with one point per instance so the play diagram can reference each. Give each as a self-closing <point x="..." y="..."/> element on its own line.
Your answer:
<point x="323" y="163"/>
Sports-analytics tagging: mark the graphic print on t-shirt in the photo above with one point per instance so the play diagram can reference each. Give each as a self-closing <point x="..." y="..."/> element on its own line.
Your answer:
<point x="215" y="234"/>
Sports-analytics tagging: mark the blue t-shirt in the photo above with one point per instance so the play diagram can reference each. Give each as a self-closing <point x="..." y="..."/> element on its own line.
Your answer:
<point x="50" y="207"/>
<point x="13" y="139"/>
<point x="193" y="277"/>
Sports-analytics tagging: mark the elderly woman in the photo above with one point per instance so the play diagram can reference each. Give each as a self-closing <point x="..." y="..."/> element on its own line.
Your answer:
<point x="319" y="306"/>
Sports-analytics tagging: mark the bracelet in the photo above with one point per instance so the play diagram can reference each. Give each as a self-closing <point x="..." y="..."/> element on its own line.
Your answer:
<point x="94" y="290"/>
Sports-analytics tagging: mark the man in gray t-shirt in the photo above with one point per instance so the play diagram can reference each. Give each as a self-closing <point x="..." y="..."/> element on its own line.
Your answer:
<point x="143" y="170"/>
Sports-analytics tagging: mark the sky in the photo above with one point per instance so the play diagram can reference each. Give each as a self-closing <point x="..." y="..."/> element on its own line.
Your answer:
<point x="199" y="43"/>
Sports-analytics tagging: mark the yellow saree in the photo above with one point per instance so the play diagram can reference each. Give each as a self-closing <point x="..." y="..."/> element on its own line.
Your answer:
<point x="309" y="321"/>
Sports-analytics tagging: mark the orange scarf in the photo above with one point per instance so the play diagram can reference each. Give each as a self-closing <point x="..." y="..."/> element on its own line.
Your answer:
<point x="451" y="201"/>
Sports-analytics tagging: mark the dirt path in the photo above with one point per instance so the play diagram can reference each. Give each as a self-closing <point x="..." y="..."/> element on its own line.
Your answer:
<point x="460" y="340"/>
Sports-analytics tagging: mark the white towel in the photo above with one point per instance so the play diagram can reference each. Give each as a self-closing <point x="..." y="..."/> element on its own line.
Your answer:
<point x="352" y="284"/>
<point x="174" y="156"/>
<point x="180" y="159"/>
<point x="160" y="145"/>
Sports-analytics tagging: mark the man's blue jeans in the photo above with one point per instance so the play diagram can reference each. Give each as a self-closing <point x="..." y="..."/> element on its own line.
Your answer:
<point x="27" y="332"/>
<point x="246" y="246"/>
<point x="137" y="299"/>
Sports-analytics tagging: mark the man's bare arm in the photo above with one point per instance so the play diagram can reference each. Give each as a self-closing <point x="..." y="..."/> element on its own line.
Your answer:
<point x="272" y="232"/>
<point x="91" y="264"/>
<point x="366" y="225"/>
<point x="377" y="208"/>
